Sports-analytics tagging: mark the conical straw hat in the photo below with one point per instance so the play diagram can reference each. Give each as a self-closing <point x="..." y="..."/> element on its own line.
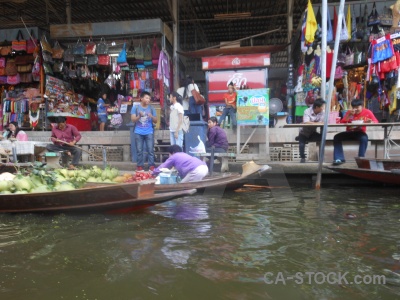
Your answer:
<point x="250" y="168"/>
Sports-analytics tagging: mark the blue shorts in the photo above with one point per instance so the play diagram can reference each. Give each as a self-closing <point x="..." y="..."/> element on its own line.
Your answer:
<point x="102" y="118"/>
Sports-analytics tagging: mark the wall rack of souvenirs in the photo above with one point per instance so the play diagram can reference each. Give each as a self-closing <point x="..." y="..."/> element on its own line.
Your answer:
<point x="135" y="69"/>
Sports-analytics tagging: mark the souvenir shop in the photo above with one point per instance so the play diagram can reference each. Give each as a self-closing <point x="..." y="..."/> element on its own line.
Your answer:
<point x="72" y="73"/>
<point x="367" y="62"/>
<point x="20" y="86"/>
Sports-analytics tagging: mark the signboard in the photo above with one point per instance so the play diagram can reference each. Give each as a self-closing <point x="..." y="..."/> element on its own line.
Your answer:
<point x="218" y="82"/>
<point x="236" y="61"/>
<point x="253" y="107"/>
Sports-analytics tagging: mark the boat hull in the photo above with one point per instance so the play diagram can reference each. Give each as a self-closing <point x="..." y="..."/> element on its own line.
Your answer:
<point x="382" y="176"/>
<point x="226" y="181"/>
<point x="377" y="163"/>
<point x="96" y="197"/>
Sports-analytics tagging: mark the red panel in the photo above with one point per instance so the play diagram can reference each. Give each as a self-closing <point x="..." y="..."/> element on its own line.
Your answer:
<point x="218" y="82"/>
<point x="80" y="124"/>
<point x="236" y="61"/>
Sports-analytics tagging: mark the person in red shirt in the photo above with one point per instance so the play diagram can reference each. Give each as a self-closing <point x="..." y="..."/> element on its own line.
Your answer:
<point x="230" y="108"/>
<point x="355" y="132"/>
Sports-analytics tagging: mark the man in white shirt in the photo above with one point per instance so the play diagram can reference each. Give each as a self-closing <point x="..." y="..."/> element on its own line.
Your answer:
<point x="312" y="115"/>
<point x="176" y="119"/>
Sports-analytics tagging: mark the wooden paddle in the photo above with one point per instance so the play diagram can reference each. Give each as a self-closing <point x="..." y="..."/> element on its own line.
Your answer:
<point x="91" y="153"/>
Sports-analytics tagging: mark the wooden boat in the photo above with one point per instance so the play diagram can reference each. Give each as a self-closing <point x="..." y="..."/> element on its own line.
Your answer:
<point x="114" y="198"/>
<point x="377" y="163"/>
<point x="228" y="181"/>
<point x="382" y="176"/>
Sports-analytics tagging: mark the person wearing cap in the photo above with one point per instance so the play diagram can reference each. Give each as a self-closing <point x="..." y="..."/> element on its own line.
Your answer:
<point x="14" y="132"/>
<point x="64" y="137"/>
<point x="176" y="119"/>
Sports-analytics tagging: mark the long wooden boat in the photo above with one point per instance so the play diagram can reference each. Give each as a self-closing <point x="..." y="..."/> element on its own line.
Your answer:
<point x="227" y="181"/>
<point x="122" y="197"/>
<point x="382" y="176"/>
<point x="377" y="163"/>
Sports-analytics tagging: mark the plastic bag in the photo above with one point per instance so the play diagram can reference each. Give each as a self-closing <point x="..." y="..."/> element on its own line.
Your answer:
<point x="200" y="148"/>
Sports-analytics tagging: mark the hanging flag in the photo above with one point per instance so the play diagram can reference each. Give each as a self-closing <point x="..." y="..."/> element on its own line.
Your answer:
<point x="303" y="32"/>
<point x="311" y="24"/>
<point x="335" y="19"/>
<point x="348" y="21"/>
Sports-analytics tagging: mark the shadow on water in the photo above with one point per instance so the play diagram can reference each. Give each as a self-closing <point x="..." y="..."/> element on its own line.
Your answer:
<point x="237" y="245"/>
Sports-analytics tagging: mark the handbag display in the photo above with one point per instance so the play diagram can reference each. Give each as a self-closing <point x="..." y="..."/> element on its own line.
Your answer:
<point x="357" y="57"/>
<point x="19" y="44"/>
<point x="13" y="79"/>
<point x="2" y="62"/>
<point x="200" y="100"/>
<point x="11" y="67"/>
<point x="386" y="18"/>
<point x="344" y="34"/>
<point x="102" y="47"/>
<point x="3" y="79"/>
<point x="79" y="48"/>
<point x="338" y="72"/>
<point x="47" y="57"/>
<point x="68" y="56"/>
<point x="90" y="48"/>
<point x="31" y="43"/>
<point x="58" y="52"/>
<point x="45" y="45"/>
<point x="2" y="71"/>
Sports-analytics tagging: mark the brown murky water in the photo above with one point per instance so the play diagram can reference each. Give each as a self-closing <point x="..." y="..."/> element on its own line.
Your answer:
<point x="253" y="244"/>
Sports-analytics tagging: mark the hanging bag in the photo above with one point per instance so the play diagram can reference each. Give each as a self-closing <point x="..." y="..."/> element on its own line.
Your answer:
<point x="11" y="67"/>
<point x="155" y="52"/>
<point x="386" y="18"/>
<point x="329" y="34"/>
<point x="14" y="79"/>
<point x="79" y="48"/>
<point x="19" y="44"/>
<point x="382" y="49"/>
<point x="90" y="48"/>
<point x="130" y="55"/>
<point x="121" y="59"/>
<point x="31" y="43"/>
<point x="139" y="53"/>
<point x="68" y="56"/>
<point x="92" y="60"/>
<point x="45" y="45"/>
<point x="349" y="57"/>
<point x="58" y="52"/>
<point x="147" y="55"/>
<point x="103" y="60"/>
<point x="102" y="47"/>
<point x="200" y="100"/>
<point x="373" y="18"/>
<point x="344" y="34"/>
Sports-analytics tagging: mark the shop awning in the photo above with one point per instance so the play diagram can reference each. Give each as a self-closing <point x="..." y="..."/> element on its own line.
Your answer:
<point x="234" y="51"/>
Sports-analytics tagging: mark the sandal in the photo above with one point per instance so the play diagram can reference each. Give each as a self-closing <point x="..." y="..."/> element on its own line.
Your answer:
<point x="338" y="162"/>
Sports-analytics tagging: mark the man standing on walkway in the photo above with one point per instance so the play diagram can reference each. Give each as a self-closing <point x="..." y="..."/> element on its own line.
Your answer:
<point x="144" y="116"/>
<point x="312" y="115"/>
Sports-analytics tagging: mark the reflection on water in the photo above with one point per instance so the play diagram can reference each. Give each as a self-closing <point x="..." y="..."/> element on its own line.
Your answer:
<point x="208" y="246"/>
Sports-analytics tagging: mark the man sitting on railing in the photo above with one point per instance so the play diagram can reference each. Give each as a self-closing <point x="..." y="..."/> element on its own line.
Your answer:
<point x="216" y="137"/>
<point x="312" y="115"/>
<point x="356" y="132"/>
<point x="65" y="136"/>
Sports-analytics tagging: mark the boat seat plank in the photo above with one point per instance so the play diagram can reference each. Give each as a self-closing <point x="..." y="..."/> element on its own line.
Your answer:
<point x="224" y="156"/>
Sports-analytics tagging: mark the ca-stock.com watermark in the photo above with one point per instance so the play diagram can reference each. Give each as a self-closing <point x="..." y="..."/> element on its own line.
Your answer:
<point x="312" y="278"/>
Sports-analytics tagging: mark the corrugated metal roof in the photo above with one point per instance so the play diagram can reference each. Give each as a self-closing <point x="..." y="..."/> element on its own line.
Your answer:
<point x="197" y="27"/>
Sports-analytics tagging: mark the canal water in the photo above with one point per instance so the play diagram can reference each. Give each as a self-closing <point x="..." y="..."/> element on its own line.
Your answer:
<point x="255" y="243"/>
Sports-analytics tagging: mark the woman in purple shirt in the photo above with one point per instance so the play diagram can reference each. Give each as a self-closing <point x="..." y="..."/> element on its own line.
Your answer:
<point x="189" y="168"/>
<point x="216" y="137"/>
